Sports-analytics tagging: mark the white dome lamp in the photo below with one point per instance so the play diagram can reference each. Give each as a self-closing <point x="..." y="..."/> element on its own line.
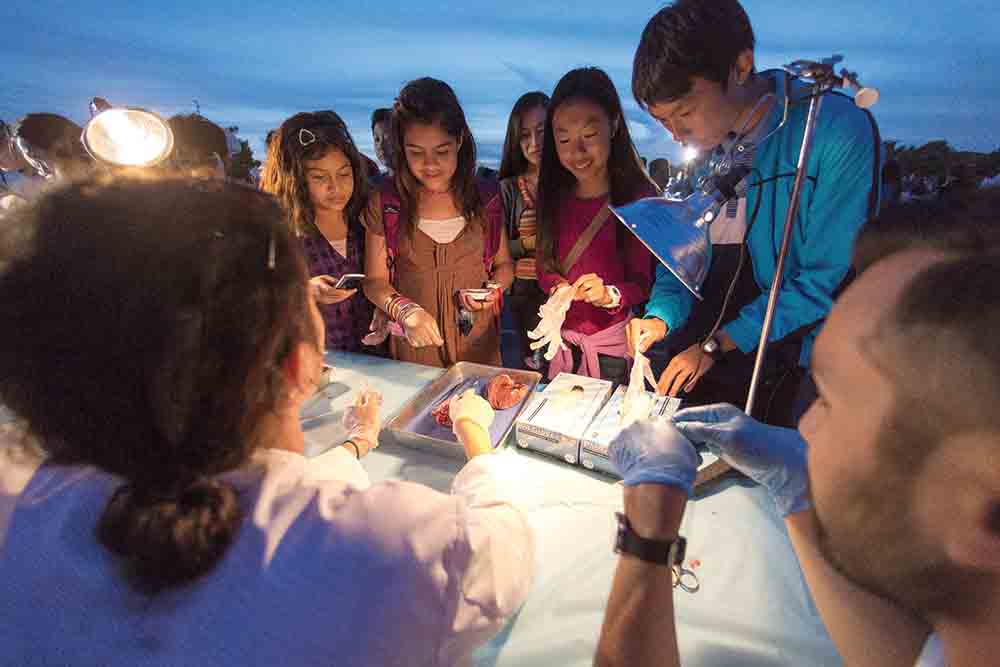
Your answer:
<point x="126" y="137"/>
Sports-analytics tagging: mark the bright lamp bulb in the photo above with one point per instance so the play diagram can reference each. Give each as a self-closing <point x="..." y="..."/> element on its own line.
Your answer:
<point x="128" y="138"/>
<point x="690" y="153"/>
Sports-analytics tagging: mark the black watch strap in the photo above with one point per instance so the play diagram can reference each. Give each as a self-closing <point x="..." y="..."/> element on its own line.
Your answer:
<point x="660" y="552"/>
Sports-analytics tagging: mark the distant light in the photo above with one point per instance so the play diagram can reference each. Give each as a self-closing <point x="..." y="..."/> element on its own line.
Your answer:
<point x="690" y="153"/>
<point x="128" y="138"/>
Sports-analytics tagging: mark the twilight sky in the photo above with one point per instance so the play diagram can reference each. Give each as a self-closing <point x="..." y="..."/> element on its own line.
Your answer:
<point x="252" y="64"/>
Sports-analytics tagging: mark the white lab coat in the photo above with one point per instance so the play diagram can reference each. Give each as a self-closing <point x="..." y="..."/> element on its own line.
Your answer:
<point x="323" y="571"/>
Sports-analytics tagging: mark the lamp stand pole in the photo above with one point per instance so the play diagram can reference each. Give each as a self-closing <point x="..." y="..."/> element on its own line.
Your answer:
<point x="786" y="240"/>
<point x="720" y="467"/>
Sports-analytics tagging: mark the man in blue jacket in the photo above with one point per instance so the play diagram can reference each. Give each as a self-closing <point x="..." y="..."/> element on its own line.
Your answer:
<point x="694" y="72"/>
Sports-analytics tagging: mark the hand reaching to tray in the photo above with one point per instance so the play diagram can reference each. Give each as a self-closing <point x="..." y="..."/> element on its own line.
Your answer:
<point x="362" y="420"/>
<point x="471" y="418"/>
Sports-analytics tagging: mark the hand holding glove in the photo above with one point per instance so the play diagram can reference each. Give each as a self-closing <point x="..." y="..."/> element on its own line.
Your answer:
<point x="771" y="456"/>
<point x="654" y="452"/>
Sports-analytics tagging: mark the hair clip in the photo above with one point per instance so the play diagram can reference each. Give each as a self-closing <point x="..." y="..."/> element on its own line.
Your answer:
<point x="272" y="252"/>
<point x="306" y="137"/>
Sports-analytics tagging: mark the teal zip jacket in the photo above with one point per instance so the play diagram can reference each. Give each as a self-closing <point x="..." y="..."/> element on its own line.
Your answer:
<point x="840" y="194"/>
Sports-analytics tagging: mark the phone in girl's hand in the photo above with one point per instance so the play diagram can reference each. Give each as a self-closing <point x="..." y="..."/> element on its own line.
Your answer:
<point x="350" y="281"/>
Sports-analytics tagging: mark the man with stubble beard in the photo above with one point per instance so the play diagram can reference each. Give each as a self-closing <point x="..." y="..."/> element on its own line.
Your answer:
<point x="890" y="488"/>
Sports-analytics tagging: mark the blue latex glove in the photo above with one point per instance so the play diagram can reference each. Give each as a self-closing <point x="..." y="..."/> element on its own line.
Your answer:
<point x="654" y="452"/>
<point x="771" y="456"/>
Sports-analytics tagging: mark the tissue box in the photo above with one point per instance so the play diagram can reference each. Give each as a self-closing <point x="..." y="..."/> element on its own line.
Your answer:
<point x="554" y="421"/>
<point x="608" y="423"/>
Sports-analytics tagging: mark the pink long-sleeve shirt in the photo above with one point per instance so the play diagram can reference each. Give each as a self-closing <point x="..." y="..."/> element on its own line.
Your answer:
<point x="631" y="272"/>
<point x="327" y="569"/>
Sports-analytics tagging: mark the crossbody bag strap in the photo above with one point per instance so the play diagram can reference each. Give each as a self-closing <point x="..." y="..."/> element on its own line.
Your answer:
<point x="584" y="240"/>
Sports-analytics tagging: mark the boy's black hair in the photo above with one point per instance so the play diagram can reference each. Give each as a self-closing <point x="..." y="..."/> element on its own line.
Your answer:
<point x="687" y="39"/>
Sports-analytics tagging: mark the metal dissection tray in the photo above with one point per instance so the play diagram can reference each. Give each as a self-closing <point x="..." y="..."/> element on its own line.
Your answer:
<point x="414" y="426"/>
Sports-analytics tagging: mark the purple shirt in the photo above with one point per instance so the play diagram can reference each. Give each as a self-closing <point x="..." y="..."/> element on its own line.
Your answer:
<point x="346" y="322"/>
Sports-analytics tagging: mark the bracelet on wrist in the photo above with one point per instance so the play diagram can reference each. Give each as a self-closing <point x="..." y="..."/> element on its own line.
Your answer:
<point x="357" y="451"/>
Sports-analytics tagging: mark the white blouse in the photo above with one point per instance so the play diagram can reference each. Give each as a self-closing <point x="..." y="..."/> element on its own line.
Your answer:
<point x="322" y="572"/>
<point x="442" y="231"/>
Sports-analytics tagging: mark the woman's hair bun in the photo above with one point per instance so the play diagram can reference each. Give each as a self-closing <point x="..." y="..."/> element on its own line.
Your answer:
<point x="170" y="538"/>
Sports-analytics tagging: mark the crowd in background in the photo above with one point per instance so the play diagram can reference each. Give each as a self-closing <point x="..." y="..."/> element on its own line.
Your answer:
<point x="163" y="331"/>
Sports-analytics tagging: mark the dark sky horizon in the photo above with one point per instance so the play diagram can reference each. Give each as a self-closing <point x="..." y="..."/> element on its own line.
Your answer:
<point x="253" y="64"/>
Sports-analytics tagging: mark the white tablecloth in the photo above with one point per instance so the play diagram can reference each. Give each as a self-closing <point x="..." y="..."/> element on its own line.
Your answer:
<point x="753" y="608"/>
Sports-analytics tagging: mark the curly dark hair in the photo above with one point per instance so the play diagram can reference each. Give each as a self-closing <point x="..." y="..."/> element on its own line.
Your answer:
<point x="285" y="172"/>
<point x="687" y="39"/>
<point x="143" y="334"/>
<point x="432" y="101"/>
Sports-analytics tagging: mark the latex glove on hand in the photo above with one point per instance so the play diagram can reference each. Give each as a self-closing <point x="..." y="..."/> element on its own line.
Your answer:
<point x="473" y="407"/>
<point x="773" y="457"/>
<point x="362" y="420"/>
<point x="637" y="404"/>
<point x="421" y="330"/>
<point x="654" y="452"/>
<point x="548" y="333"/>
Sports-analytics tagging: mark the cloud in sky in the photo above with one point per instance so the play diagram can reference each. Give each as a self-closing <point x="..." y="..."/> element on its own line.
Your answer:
<point x="253" y="64"/>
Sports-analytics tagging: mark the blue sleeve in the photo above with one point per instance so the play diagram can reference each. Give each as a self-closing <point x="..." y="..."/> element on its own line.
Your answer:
<point x="669" y="300"/>
<point x="822" y="243"/>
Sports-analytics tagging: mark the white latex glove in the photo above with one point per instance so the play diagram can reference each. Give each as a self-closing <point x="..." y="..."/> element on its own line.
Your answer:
<point x="470" y="405"/>
<point x="637" y="403"/>
<point x="549" y="330"/>
<point x="362" y="419"/>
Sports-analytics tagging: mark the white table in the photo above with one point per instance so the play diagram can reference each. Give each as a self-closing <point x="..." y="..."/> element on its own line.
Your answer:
<point x="753" y="608"/>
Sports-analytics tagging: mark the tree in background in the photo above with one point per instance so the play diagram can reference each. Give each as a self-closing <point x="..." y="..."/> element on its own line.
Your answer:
<point x="243" y="162"/>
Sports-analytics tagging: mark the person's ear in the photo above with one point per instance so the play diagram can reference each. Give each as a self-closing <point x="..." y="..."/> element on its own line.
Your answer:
<point x="744" y="67"/>
<point x="971" y="537"/>
<point x="300" y="370"/>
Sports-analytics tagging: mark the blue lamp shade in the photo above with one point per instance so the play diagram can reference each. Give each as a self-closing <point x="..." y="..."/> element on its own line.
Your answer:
<point x="676" y="232"/>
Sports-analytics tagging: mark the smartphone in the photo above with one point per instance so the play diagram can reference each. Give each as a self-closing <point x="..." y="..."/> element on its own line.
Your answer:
<point x="350" y="281"/>
<point x="478" y="294"/>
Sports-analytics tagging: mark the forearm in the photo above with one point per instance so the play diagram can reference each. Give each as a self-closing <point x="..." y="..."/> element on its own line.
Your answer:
<point x="669" y="300"/>
<point x="504" y="274"/>
<point x="378" y="291"/>
<point x="639" y="626"/>
<point x="474" y="438"/>
<point x="867" y="629"/>
<point x="639" y="275"/>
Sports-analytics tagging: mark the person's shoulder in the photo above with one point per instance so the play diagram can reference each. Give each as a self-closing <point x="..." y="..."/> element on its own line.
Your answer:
<point x="488" y="188"/>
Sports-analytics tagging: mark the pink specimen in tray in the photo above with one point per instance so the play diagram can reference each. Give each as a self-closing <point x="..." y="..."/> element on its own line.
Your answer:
<point x="442" y="414"/>
<point x="504" y="393"/>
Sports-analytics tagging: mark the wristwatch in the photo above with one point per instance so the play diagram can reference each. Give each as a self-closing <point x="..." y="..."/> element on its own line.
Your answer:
<point x="712" y="348"/>
<point x="615" y="295"/>
<point x="660" y="552"/>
